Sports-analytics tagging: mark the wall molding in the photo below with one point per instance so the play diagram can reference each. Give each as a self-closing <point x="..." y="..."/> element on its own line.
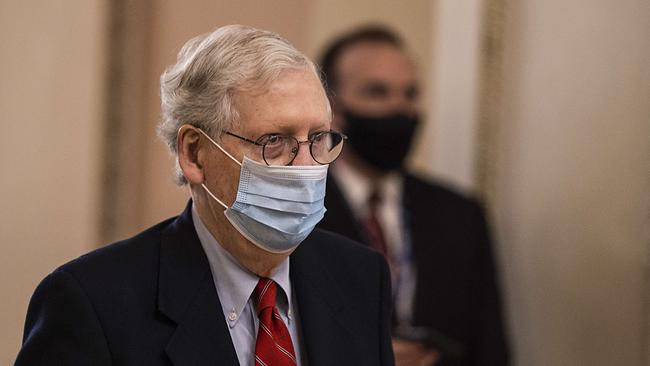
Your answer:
<point x="490" y="103"/>
<point x="125" y="127"/>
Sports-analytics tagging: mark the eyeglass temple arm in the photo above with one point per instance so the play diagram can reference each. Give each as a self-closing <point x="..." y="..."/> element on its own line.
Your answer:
<point x="243" y="138"/>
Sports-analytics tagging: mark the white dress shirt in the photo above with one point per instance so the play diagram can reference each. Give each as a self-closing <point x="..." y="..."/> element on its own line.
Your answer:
<point x="356" y="189"/>
<point x="234" y="285"/>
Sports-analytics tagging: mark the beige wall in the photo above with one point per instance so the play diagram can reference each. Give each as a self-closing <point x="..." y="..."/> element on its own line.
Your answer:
<point x="50" y="107"/>
<point x="455" y="100"/>
<point x="574" y="180"/>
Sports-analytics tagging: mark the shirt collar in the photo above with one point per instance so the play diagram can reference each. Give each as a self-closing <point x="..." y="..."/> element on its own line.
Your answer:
<point x="357" y="188"/>
<point x="233" y="282"/>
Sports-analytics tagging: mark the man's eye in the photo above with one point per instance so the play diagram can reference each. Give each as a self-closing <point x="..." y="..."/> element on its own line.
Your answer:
<point x="272" y="140"/>
<point x="376" y="91"/>
<point x="317" y="137"/>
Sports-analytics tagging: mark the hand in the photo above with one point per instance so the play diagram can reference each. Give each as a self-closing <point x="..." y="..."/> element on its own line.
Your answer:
<point x="410" y="353"/>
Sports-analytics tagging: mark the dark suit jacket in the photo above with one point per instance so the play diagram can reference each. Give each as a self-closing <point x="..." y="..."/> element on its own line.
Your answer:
<point x="456" y="291"/>
<point x="151" y="300"/>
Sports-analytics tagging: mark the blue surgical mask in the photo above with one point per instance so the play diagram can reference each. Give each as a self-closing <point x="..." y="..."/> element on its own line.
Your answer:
<point x="276" y="206"/>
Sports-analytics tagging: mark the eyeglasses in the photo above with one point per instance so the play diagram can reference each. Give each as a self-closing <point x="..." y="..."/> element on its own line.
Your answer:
<point x="324" y="147"/>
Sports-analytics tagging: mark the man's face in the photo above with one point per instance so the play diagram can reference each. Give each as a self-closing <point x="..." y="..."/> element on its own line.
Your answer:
<point x="375" y="79"/>
<point x="295" y="104"/>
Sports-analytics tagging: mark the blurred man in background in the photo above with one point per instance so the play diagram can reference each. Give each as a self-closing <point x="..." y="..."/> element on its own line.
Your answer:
<point x="447" y="308"/>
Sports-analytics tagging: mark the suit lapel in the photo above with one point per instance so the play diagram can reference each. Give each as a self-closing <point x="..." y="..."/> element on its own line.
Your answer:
<point x="187" y="296"/>
<point x="321" y="308"/>
<point x="340" y="218"/>
<point x="411" y="214"/>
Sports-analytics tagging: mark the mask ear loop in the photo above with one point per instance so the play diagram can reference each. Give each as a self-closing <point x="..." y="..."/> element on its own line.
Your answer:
<point x="227" y="154"/>
<point x="219" y="146"/>
<point x="213" y="196"/>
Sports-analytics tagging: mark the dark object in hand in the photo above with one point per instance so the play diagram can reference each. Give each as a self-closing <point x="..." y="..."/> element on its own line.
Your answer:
<point x="451" y="350"/>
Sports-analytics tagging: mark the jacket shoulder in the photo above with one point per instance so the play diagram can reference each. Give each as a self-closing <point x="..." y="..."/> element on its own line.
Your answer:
<point x="126" y="260"/>
<point x="421" y="184"/>
<point x="419" y="189"/>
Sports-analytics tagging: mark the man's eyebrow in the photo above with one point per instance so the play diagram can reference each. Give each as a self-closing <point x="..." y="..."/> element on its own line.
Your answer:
<point x="287" y="129"/>
<point x="321" y="127"/>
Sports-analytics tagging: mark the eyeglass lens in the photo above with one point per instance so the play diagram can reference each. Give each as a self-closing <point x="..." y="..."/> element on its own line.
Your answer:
<point x="325" y="147"/>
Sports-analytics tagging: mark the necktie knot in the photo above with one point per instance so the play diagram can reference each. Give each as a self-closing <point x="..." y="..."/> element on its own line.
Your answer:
<point x="264" y="294"/>
<point x="374" y="232"/>
<point x="374" y="199"/>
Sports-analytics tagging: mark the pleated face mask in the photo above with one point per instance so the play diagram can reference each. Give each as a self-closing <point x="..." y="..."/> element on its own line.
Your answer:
<point x="276" y="207"/>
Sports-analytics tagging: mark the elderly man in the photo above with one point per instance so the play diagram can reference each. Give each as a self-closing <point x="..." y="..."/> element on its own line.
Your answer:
<point x="447" y="304"/>
<point x="239" y="278"/>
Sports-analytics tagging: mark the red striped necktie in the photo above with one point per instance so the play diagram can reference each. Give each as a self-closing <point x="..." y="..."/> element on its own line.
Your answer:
<point x="273" y="346"/>
<point x="373" y="228"/>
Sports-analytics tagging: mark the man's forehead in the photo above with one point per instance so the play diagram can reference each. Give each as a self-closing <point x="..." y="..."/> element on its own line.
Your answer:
<point x="289" y="103"/>
<point x="377" y="62"/>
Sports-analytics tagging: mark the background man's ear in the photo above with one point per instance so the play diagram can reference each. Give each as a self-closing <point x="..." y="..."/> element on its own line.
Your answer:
<point x="188" y="154"/>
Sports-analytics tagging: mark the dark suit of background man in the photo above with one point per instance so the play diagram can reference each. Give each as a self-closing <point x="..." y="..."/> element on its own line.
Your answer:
<point x="436" y="240"/>
<point x="239" y="277"/>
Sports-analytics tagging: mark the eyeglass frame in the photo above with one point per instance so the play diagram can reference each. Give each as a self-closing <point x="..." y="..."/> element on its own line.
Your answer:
<point x="295" y="153"/>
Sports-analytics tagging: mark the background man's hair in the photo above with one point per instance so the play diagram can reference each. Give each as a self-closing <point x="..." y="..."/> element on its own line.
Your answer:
<point x="368" y="33"/>
<point x="210" y="69"/>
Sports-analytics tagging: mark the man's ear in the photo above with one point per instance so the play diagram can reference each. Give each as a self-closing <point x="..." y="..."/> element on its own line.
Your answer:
<point x="187" y="141"/>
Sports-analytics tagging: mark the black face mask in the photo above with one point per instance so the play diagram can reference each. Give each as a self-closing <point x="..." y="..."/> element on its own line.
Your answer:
<point x="382" y="142"/>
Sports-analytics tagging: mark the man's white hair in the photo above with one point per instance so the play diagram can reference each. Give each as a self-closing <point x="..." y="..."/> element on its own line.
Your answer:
<point x="210" y="68"/>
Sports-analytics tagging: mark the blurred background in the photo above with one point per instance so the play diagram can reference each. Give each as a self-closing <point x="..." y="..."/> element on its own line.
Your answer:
<point x="540" y="107"/>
